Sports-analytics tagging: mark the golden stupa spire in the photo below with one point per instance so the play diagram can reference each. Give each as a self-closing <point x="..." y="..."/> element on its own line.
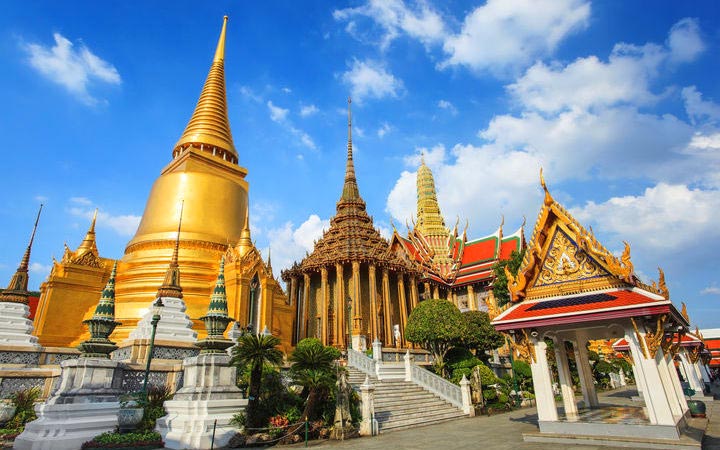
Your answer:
<point x="209" y="127"/>
<point x="429" y="219"/>
<point x="350" y="188"/>
<point x="89" y="243"/>
<point x="171" y="284"/>
<point x="17" y="290"/>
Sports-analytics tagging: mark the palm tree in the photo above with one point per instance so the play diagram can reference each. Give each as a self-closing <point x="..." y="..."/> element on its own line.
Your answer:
<point x="317" y="382"/>
<point x="310" y="353"/>
<point x="255" y="350"/>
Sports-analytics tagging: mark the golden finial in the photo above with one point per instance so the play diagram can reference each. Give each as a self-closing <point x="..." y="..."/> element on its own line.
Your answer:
<point x="17" y="290"/>
<point x="209" y="127"/>
<point x="24" y="264"/>
<point x="662" y="287"/>
<point x="683" y="311"/>
<point x="220" y="50"/>
<point x="548" y="197"/>
<point x="171" y="285"/>
<point x="88" y="244"/>
<point x="94" y="219"/>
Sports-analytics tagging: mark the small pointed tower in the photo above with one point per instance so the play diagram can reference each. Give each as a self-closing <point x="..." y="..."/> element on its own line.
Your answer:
<point x="217" y="320"/>
<point x="15" y="326"/>
<point x="175" y="327"/>
<point x="102" y="323"/>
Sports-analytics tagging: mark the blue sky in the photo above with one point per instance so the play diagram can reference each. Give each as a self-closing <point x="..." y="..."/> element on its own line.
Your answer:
<point x="617" y="101"/>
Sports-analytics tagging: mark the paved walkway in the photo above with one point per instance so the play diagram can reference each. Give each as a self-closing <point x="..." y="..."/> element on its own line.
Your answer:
<point x="499" y="432"/>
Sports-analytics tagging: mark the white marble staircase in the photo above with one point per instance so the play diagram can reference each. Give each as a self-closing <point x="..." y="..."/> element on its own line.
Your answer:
<point x="402" y="404"/>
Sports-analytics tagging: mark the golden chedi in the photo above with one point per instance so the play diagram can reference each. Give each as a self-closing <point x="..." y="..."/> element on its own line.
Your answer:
<point x="205" y="177"/>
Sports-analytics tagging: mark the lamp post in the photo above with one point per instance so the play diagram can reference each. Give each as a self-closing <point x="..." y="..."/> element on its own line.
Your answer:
<point x="512" y="368"/>
<point x="349" y="315"/>
<point x="156" y="308"/>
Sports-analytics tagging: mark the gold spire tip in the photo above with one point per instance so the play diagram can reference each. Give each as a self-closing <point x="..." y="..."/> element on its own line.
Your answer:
<point x="220" y="51"/>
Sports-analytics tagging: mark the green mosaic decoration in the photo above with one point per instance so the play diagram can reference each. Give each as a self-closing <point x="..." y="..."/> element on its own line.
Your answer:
<point x="217" y="320"/>
<point x="102" y="323"/>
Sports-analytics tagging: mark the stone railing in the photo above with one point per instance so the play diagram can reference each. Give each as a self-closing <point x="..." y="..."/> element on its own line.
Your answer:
<point x="362" y="362"/>
<point x="439" y="386"/>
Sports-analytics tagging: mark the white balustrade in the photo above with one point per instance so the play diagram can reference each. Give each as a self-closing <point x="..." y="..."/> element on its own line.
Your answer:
<point x="439" y="386"/>
<point x="362" y="362"/>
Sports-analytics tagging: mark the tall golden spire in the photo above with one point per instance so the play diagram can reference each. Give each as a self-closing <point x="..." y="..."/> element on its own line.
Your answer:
<point x="429" y="218"/>
<point x="209" y="127"/>
<point x="171" y="284"/>
<point x="17" y="290"/>
<point x="350" y="188"/>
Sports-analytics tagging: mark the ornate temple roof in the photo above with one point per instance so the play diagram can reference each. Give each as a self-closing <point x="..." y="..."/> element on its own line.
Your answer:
<point x="351" y="236"/>
<point x="209" y="127"/>
<point x="567" y="276"/>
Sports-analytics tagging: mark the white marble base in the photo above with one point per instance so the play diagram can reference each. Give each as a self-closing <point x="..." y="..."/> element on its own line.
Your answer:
<point x="15" y="327"/>
<point x="85" y="405"/>
<point x="359" y="342"/>
<point x="208" y="394"/>
<point x="174" y="324"/>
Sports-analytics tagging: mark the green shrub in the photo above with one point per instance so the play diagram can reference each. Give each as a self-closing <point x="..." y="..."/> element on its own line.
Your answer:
<point x="112" y="440"/>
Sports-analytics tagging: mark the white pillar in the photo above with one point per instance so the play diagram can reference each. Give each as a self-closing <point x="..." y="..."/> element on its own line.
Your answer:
<point x="647" y="370"/>
<point x="587" y="382"/>
<point x="544" y="397"/>
<point x="674" y="390"/>
<point x="566" y="384"/>
<point x="408" y="366"/>
<point x="702" y="368"/>
<point x="691" y="374"/>
<point x="377" y="349"/>
<point x="368" y="425"/>
<point x="466" y="398"/>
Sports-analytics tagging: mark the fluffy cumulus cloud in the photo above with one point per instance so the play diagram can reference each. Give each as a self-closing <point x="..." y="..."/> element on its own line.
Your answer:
<point x="289" y="244"/>
<point x="665" y="217"/>
<point x="393" y="18"/>
<point x="277" y="114"/>
<point x="592" y="120"/>
<point x="371" y="80"/>
<point x="75" y="68"/>
<point x="122" y="224"/>
<point x="504" y="34"/>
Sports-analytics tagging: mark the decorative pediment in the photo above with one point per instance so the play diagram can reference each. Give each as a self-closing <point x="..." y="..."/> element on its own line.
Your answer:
<point x="564" y="258"/>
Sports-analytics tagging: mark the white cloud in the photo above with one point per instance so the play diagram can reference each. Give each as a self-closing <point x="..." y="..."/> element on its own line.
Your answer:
<point x="383" y="130"/>
<point x="434" y="157"/>
<point x="369" y="79"/>
<point x="698" y="109"/>
<point x="289" y="244"/>
<point x="712" y="290"/>
<point x="277" y="113"/>
<point x="74" y="68"/>
<point x="287" y="90"/>
<point x="122" y="224"/>
<point x="504" y="34"/>
<point x="248" y="93"/>
<point x="394" y="17"/>
<point x="684" y="41"/>
<point x="308" y="110"/>
<point x="446" y="105"/>
<point x="40" y="270"/>
<point x="665" y="218"/>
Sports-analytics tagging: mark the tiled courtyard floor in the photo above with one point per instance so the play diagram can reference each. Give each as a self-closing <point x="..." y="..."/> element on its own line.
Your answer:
<point x="498" y="432"/>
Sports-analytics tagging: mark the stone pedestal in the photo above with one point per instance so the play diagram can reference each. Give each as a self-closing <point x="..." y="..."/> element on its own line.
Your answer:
<point x="209" y="393"/>
<point x="368" y="425"/>
<point x="15" y="327"/>
<point x="359" y="342"/>
<point x="85" y="405"/>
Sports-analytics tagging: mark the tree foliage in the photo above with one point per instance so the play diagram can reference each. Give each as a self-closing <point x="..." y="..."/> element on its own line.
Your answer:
<point x="436" y="325"/>
<point x="500" y="288"/>
<point x="314" y="369"/>
<point x="479" y="334"/>
<point x="255" y="351"/>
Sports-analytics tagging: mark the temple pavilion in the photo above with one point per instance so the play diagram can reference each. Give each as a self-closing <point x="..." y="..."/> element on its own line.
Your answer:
<point x="352" y="288"/>
<point x="571" y="289"/>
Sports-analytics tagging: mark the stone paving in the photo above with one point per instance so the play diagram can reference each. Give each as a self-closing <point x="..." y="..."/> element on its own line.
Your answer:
<point x="498" y="432"/>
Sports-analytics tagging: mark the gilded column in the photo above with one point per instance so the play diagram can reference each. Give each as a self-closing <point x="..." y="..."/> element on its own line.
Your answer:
<point x="324" y="305"/>
<point x="373" y="303"/>
<point x="414" y="295"/>
<point x="427" y="290"/>
<point x="386" y="304"/>
<point x="403" y="307"/>
<point x="436" y="292"/>
<point x="471" y="298"/>
<point x="293" y="290"/>
<point x="357" y="312"/>
<point x="340" y="305"/>
<point x="454" y="298"/>
<point x="305" y="306"/>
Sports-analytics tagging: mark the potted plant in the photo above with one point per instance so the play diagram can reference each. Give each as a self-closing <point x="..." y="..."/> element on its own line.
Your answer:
<point x="696" y="407"/>
<point x="131" y="411"/>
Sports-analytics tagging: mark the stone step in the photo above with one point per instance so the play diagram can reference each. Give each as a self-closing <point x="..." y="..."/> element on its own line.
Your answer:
<point x="430" y="402"/>
<point x="406" y="397"/>
<point x="415" y="422"/>
<point x="413" y="411"/>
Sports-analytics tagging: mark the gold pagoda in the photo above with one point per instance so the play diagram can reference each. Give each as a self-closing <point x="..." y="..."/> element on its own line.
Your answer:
<point x="352" y="289"/>
<point x="205" y="177"/>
